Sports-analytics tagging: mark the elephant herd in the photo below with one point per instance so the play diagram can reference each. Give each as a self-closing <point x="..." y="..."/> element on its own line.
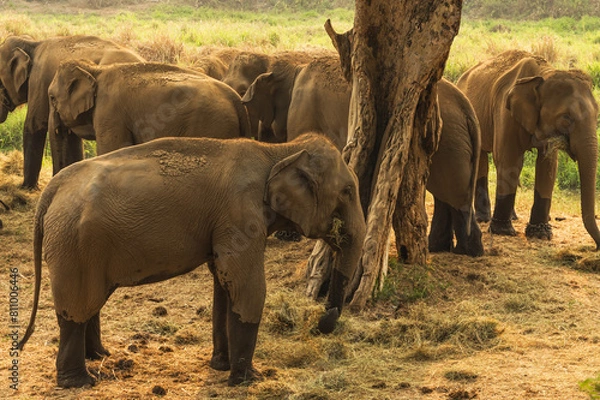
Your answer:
<point x="166" y="193"/>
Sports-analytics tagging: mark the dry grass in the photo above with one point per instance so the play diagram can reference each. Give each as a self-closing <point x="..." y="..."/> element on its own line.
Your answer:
<point x="519" y="322"/>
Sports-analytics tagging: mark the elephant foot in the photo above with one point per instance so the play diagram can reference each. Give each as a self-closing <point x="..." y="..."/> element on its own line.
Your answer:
<point x="288" y="236"/>
<point x="75" y="379"/>
<point x="472" y="250"/>
<point x="328" y="321"/>
<point x="244" y="377"/>
<point x="439" y="247"/>
<point x="220" y="362"/>
<point x="502" y="227"/>
<point x="483" y="216"/>
<point x="96" y="353"/>
<point x="539" y="231"/>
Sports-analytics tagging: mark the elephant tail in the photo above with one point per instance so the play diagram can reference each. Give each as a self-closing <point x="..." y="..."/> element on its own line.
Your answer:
<point x="38" y="237"/>
<point x="475" y="134"/>
<point x="244" y="119"/>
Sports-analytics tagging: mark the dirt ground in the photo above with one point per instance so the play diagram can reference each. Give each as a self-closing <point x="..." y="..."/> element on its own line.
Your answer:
<point x="521" y="322"/>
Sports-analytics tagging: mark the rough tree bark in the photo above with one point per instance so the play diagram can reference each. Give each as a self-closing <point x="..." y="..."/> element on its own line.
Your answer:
<point x="394" y="56"/>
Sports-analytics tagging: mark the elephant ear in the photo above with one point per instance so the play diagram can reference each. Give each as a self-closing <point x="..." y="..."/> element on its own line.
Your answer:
<point x="523" y="102"/>
<point x="81" y="93"/>
<point x="259" y="98"/>
<point x="292" y="190"/>
<point x="20" y="64"/>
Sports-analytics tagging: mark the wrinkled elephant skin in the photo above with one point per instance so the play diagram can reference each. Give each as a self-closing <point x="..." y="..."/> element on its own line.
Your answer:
<point x="194" y="201"/>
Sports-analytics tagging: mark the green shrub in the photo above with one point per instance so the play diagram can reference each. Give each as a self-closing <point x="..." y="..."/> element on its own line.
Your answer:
<point x="11" y="131"/>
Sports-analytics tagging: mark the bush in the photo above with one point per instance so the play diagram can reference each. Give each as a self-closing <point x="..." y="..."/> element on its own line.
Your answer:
<point x="11" y="131"/>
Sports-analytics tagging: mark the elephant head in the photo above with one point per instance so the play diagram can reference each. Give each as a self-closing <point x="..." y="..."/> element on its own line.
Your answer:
<point x="15" y="65"/>
<point x="318" y="193"/>
<point x="559" y="107"/>
<point x="72" y="94"/>
<point x="244" y="68"/>
<point x="269" y="97"/>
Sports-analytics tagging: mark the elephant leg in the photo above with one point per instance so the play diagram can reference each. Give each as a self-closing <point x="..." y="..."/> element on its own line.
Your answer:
<point x="67" y="148"/>
<point x="240" y="272"/>
<point x="483" y="206"/>
<point x="545" y="175"/>
<point x="70" y="361"/>
<point x="242" y="342"/>
<point x="468" y="243"/>
<point x="440" y="234"/>
<point x="220" y="356"/>
<point x="501" y="221"/>
<point x="33" y="153"/>
<point x="509" y="168"/>
<point x="94" y="350"/>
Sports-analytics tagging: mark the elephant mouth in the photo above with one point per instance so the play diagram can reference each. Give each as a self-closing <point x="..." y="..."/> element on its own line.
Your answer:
<point x="559" y="142"/>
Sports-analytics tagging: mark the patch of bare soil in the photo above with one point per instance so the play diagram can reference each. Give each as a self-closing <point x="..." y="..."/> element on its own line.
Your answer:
<point x="521" y="322"/>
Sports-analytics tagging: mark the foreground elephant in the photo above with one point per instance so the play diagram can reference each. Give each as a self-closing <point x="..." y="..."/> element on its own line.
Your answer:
<point x="524" y="103"/>
<point x="125" y="104"/>
<point x="320" y="103"/>
<point x="150" y="212"/>
<point x="26" y="70"/>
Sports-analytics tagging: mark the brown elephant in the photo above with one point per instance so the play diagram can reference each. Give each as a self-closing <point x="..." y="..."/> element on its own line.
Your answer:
<point x="125" y="104"/>
<point x="194" y="201"/>
<point x="311" y="97"/>
<point x="247" y="66"/>
<point x="320" y="103"/>
<point x="453" y="175"/>
<point x="522" y="103"/>
<point x="26" y="70"/>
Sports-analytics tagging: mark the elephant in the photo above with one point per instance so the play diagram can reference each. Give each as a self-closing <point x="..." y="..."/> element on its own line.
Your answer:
<point x="125" y="104"/>
<point x="321" y="100"/>
<point x="194" y="201"/>
<point x="320" y="103"/>
<point x="26" y="70"/>
<point x="247" y="66"/>
<point x="453" y="175"/>
<point x="522" y="103"/>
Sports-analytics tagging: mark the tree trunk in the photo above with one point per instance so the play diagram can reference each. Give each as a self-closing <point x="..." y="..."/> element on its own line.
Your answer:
<point x="394" y="56"/>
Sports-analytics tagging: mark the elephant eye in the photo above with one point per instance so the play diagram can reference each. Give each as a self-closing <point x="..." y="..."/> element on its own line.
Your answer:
<point x="566" y="118"/>
<point x="348" y="192"/>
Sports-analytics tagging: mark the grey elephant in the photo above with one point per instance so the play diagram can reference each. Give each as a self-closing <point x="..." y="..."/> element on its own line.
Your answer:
<point x="125" y="104"/>
<point x="320" y="103"/>
<point x="522" y="103"/>
<point x="150" y="212"/>
<point x="26" y="70"/>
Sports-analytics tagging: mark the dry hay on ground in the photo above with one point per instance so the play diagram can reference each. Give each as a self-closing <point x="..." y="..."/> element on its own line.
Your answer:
<point x="519" y="322"/>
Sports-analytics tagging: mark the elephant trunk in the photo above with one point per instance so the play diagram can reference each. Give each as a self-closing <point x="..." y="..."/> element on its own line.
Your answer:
<point x="347" y="258"/>
<point x="586" y="154"/>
